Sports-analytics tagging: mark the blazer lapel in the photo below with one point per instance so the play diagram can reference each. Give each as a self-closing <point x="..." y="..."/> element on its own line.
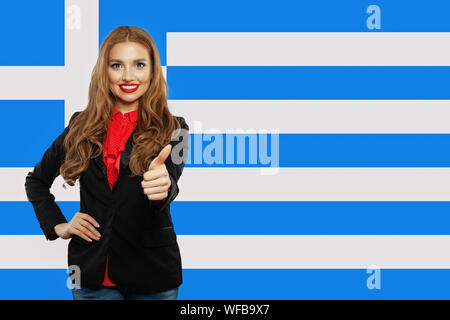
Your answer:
<point x="124" y="157"/>
<point x="99" y="162"/>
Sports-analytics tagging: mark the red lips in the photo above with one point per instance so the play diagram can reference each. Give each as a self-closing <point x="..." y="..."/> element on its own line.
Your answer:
<point x="128" y="90"/>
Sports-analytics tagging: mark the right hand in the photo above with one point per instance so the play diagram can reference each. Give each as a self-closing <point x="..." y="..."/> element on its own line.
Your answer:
<point x="81" y="225"/>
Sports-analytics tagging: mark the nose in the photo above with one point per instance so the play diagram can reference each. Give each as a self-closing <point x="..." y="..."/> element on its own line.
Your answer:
<point x="127" y="74"/>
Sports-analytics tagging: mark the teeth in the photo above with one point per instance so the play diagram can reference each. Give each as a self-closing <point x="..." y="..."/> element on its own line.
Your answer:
<point x="129" y="87"/>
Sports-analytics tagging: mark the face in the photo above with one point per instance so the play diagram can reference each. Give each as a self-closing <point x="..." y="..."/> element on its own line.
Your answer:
<point x="129" y="66"/>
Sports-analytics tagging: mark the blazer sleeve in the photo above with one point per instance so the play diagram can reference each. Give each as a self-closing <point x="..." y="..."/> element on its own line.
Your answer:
<point x="39" y="181"/>
<point x="175" y="169"/>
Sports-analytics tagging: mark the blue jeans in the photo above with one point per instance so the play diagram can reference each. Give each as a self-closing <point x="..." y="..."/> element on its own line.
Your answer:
<point x="122" y="293"/>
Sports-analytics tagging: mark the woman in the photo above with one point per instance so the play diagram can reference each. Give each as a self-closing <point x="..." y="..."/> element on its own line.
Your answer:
<point x="128" y="152"/>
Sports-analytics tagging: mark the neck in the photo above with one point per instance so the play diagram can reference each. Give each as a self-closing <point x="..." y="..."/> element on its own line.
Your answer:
<point x="125" y="107"/>
<point x="124" y="110"/>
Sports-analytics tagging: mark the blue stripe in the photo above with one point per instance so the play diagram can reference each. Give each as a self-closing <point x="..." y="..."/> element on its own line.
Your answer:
<point x="365" y="150"/>
<point x="319" y="150"/>
<point x="24" y="220"/>
<point x="296" y="83"/>
<point x="258" y="284"/>
<point x="257" y="218"/>
<point x="314" y="284"/>
<point x="35" y="124"/>
<point x="311" y="218"/>
<point x="32" y="33"/>
<point x="289" y="150"/>
<point x="282" y="16"/>
<point x="34" y="284"/>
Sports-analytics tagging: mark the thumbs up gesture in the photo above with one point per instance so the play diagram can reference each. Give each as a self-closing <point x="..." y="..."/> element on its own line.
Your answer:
<point x="156" y="182"/>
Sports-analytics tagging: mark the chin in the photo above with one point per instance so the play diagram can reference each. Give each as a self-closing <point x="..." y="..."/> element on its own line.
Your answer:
<point x="128" y="97"/>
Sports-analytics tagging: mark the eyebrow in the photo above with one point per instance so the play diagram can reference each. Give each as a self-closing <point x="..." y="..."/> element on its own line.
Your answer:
<point x="118" y="60"/>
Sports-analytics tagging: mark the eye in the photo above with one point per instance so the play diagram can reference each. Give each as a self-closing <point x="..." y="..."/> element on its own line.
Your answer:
<point x="118" y="64"/>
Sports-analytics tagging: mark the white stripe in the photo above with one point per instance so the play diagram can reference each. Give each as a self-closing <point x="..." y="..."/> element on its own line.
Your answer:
<point x="259" y="251"/>
<point x="317" y="116"/>
<point x="288" y="184"/>
<point x="308" y="48"/>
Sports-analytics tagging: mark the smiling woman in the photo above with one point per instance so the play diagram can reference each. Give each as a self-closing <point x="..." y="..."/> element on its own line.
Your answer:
<point x="128" y="56"/>
<point x="122" y="241"/>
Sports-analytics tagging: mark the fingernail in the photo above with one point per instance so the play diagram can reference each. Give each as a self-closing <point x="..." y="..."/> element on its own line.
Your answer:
<point x="90" y="240"/>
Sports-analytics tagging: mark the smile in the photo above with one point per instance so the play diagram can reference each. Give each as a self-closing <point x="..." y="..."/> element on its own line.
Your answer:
<point x="129" y="88"/>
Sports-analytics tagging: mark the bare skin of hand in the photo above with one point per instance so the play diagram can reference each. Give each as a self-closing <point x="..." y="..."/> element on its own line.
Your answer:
<point x="81" y="225"/>
<point x="156" y="182"/>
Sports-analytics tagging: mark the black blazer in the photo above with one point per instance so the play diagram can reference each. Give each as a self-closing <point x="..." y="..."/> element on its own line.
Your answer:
<point x="136" y="233"/>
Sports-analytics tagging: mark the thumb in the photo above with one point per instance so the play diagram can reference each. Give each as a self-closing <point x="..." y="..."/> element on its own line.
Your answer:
<point x="162" y="156"/>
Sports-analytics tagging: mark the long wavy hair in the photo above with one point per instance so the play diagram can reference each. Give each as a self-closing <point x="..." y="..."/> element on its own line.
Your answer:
<point x="155" y="123"/>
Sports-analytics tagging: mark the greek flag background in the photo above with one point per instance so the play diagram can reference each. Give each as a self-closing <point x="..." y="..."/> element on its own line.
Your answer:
<point x="338" y="184"/>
